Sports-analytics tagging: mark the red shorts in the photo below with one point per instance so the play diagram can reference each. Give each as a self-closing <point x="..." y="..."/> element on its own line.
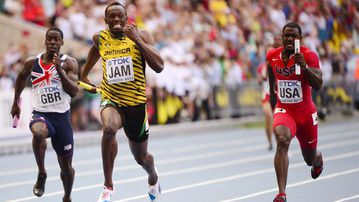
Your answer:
<point x="303" y="124"/>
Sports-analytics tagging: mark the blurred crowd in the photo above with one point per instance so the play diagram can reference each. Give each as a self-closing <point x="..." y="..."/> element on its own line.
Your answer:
<point x="211" y="48"/>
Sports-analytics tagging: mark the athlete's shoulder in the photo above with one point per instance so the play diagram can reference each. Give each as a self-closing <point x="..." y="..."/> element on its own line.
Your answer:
<point x="95" y="38"/>
<point x="308" y="52"/>
<point x="146" y="36"/>
<point x="30" y="60"/>
<point x="96" y="35"/>
<point x="311" y="57"/>
<point x="273" y="52"/>
<point x="70" y="58"/>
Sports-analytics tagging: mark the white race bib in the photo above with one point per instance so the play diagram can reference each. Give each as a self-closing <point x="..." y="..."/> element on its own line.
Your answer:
<point x="50" y="96"/>
<point x="290" y="91"/>
<point x="119" y="70"/>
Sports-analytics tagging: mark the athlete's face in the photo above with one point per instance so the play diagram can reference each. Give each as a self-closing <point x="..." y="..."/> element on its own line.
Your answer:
<point x="116" y="19"/>
<point x="53" y="41"/>
<point x="288" y="36"/>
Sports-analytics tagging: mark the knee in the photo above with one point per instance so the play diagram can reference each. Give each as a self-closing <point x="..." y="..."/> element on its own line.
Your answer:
<point x="283" y="137"/>
<point x="109" y="131"/>
<point x="67" y="169"/>
<point x="141" y="159"/>
<point x="39" y="134"/>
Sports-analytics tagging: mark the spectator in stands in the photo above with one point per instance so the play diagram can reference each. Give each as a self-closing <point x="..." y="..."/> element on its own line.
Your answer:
<point x="34" y="12"/>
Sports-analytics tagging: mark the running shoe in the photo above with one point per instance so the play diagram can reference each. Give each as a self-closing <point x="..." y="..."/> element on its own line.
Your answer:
<point x="154" y="191"/>
<point x="39" y="187"/>
<point x="280" y="198"/>
<point x="316" y="171"/>
<point x="105" y="195"/>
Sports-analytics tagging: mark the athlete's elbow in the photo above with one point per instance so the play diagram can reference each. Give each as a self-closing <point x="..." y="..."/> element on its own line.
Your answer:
<point x="159" y="68"/>
<point x="317" y="86"/>
<point x="73" y="92"/>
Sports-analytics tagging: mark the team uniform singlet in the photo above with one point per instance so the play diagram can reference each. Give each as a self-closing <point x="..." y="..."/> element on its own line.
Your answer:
<point x="123" y="70"/>
<point x="47" y="92"/>
<point x="295" y="108"/>
<point x="293" y="90"/>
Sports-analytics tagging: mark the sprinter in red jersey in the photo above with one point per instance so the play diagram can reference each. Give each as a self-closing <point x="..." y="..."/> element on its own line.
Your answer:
<point x="295" y="114"/>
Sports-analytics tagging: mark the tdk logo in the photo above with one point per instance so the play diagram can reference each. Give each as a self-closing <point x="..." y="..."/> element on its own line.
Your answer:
<point x="289" y="83"/>
<point x="50" y="89"/>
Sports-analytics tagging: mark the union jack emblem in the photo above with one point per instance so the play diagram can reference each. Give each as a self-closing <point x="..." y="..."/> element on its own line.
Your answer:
<point x="45" y="77"/>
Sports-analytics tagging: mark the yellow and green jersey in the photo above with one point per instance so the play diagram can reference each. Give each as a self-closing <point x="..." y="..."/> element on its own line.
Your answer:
<point x="123" y="70"/>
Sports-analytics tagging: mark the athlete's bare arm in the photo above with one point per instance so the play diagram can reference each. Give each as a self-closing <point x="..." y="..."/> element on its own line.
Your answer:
<point x="20" y="82"/>
<point x="92" y="57"/>
<point x="145" y="43"/>
<point x="271" y="80"/>
<point x="67" y="71"/>
<point x="314" y="75"/>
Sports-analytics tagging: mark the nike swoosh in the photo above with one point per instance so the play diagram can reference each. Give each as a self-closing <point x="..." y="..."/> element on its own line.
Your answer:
<point x="310" y="142"/>
<point x="275" y="59"/>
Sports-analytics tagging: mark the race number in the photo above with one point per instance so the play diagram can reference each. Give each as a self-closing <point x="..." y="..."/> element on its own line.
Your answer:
<point x="290" y="91"/>
<point x="119" y="70"/>
<point x="50" y="96"/>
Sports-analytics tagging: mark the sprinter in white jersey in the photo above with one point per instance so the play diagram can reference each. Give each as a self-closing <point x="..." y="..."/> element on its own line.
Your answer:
<point x="53" y="79"/>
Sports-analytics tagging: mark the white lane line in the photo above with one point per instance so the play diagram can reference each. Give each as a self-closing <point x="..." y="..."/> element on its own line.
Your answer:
<point x="158" y="162"/>
<point x="213" y="166"/>
<point x="333" y="175"/>
<point x="194" y="157"/>
<point x="328" y="136"/>
<point x="348" y="198"/>
<point x="180" y="150"/>
<point x="248" y="174"/>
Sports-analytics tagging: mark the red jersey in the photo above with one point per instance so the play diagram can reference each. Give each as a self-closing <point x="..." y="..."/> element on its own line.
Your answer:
<point x="293" y="90"/>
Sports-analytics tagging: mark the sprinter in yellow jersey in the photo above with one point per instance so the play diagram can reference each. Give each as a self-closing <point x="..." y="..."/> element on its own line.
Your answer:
<point x="124" y="50"/>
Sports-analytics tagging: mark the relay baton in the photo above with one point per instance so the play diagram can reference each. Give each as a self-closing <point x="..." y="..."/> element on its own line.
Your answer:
<point x="297" y="50"/>
<point x="15" y="120"/>
<point x="88" y="87"/>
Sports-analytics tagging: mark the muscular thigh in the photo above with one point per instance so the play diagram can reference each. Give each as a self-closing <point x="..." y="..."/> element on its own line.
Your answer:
<point x="136" y="123"/>
<point x="40" y="125"/>
<point x="283" y="117"/>
<point x="308" y="131"/>
<point x="111" y="116"/>
<point x="59" y="130"/>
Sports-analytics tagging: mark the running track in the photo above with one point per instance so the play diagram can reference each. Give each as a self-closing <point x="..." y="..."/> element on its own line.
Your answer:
<point x="224" y="165"/>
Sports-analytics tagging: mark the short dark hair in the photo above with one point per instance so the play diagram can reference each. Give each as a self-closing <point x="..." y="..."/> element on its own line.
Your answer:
<point x="115" y="3"/>
<point x="57" y="30"/>
<point x="293" y="25"/>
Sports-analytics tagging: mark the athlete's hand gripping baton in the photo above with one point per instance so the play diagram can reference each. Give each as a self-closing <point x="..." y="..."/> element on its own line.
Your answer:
<point x="89" y="87"/>
<point x="15" y="119"/>
<point x="297" y="50"/>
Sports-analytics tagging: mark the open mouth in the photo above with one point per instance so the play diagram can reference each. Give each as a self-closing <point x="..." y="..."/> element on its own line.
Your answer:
<point x="52" y="48"/>
<point x="290" y="46"/>
<point x="117" y="27"/>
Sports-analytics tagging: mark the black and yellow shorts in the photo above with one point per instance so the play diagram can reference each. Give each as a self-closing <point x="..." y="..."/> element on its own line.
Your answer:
<point x="134" y="119"/>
